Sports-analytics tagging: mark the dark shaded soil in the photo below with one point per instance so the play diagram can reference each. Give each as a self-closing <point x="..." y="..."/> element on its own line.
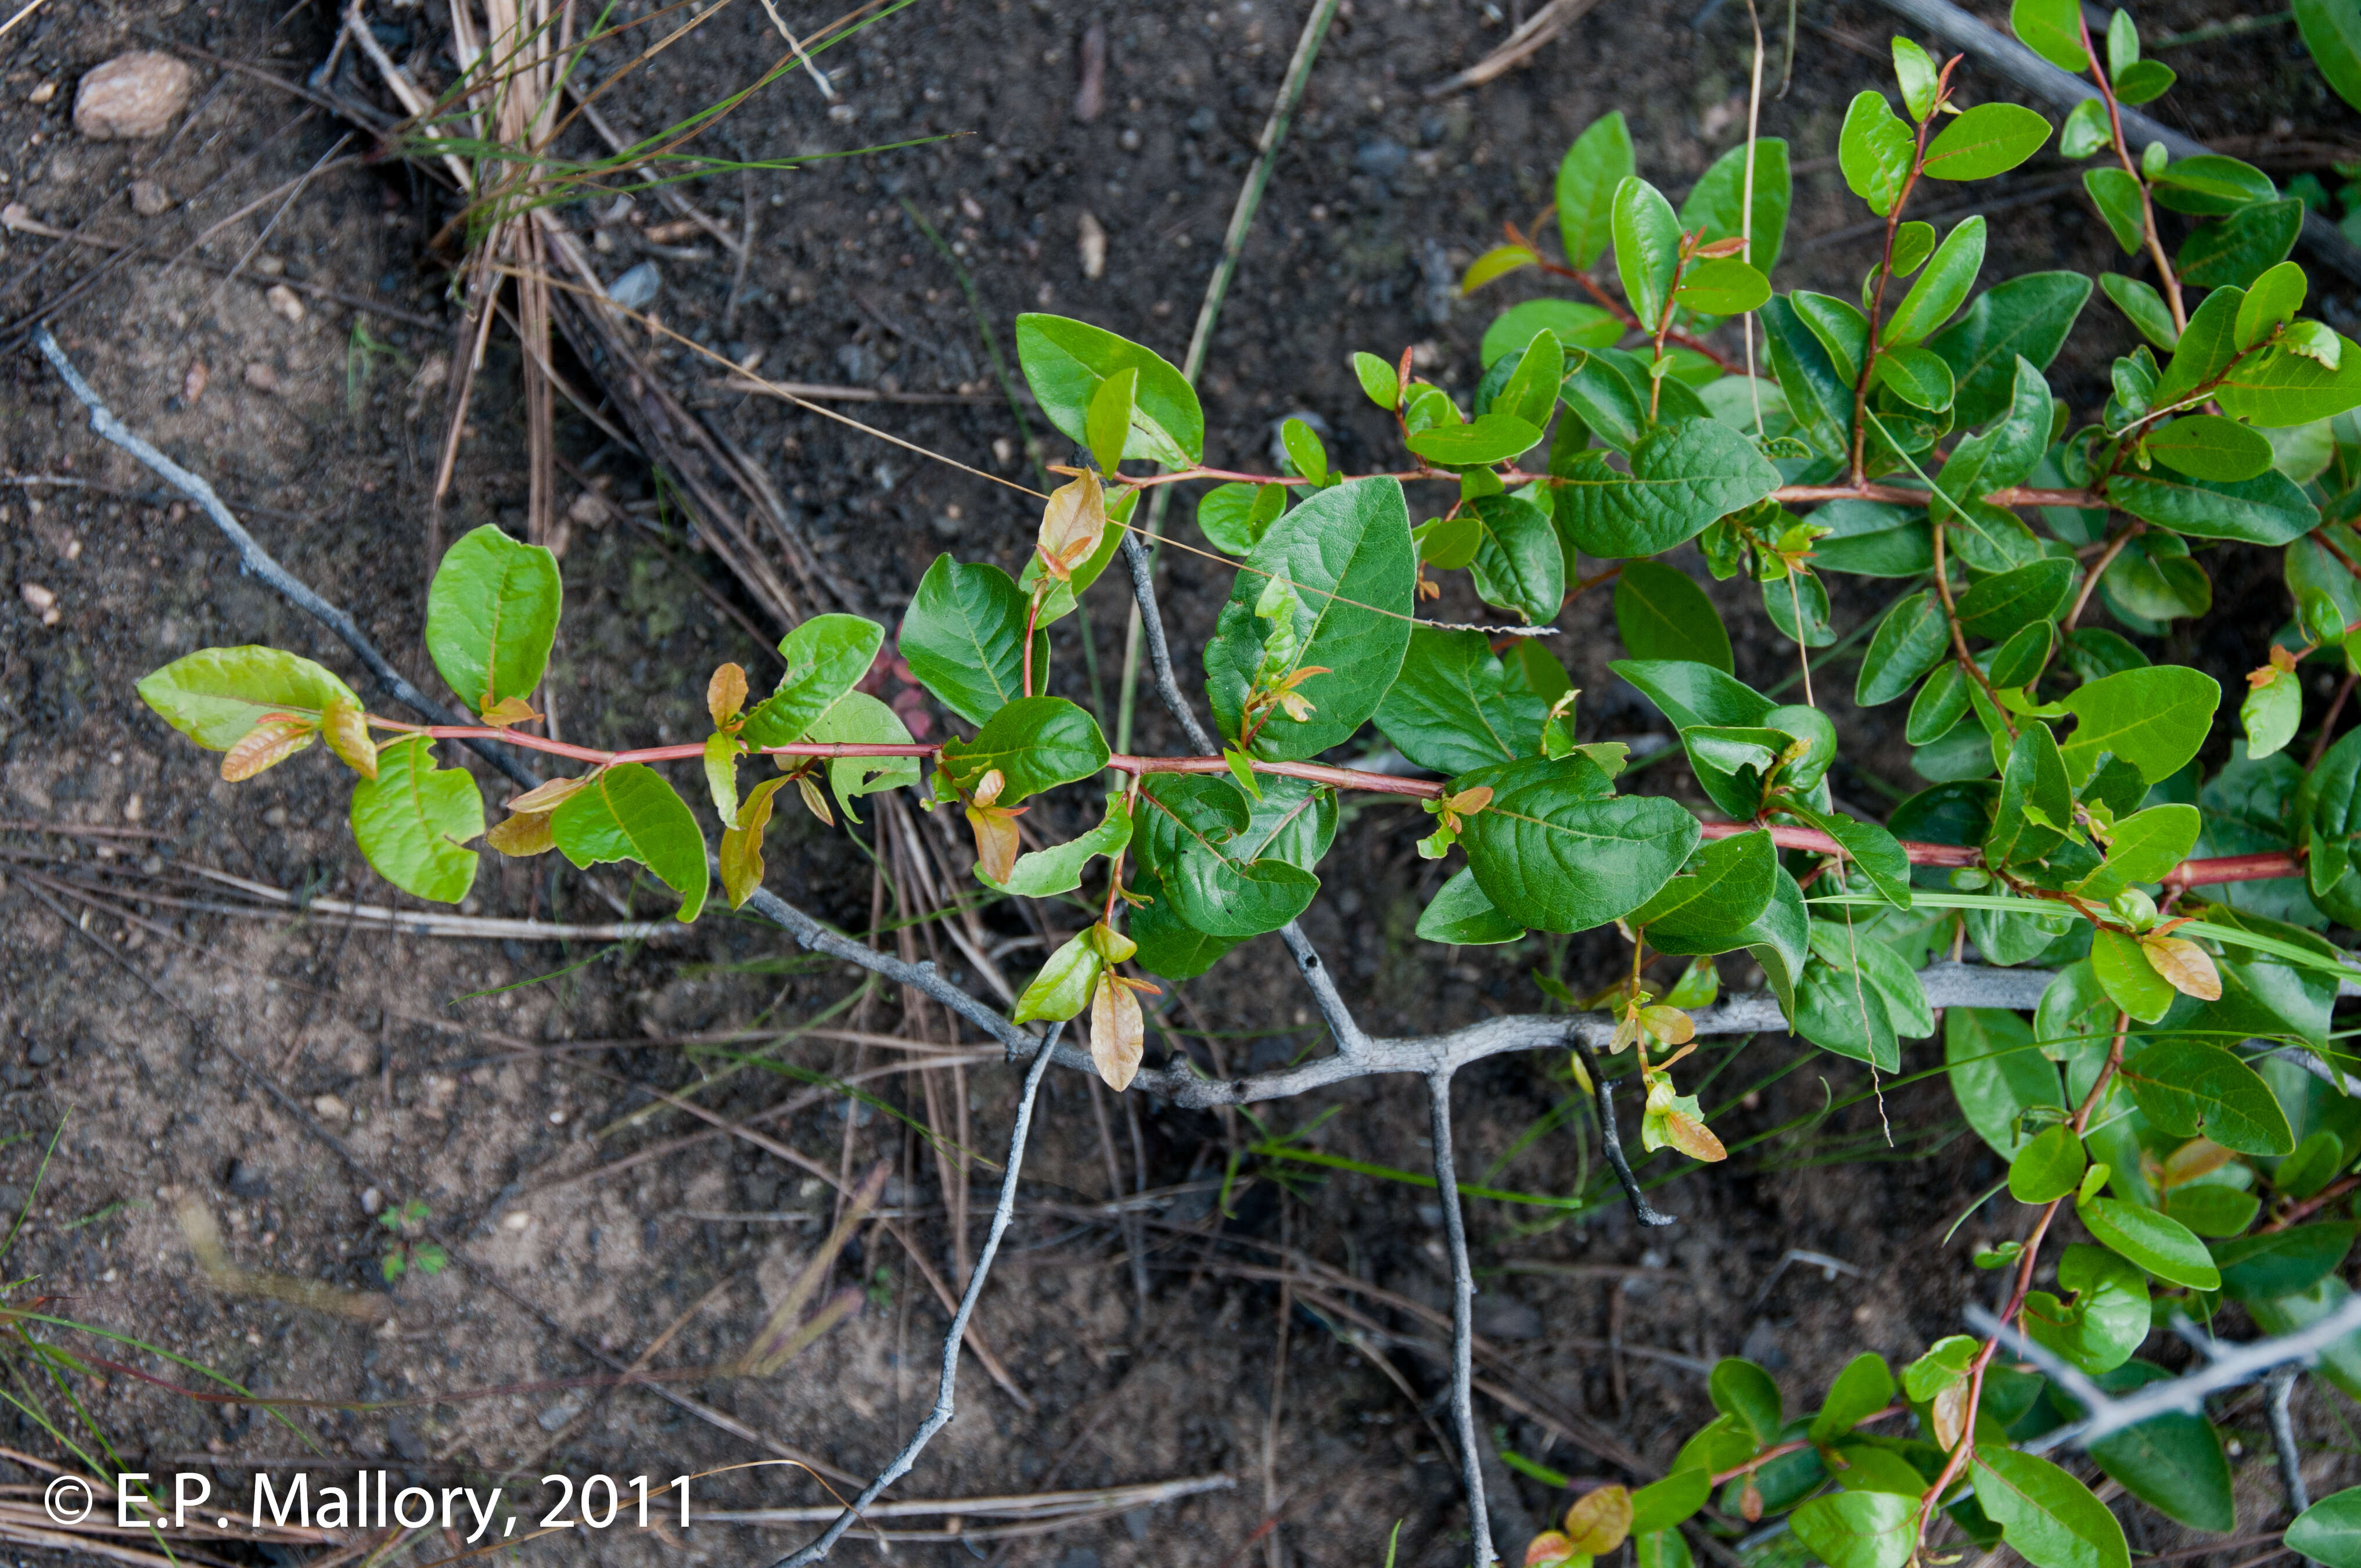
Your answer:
<point x="278" y="1071"/>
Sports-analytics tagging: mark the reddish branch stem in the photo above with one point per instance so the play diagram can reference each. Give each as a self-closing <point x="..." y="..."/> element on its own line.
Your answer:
<point x="2188" y="873"/>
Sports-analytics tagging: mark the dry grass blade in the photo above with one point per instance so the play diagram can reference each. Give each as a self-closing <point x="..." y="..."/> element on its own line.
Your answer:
<point x="204" y="1240"/>
<point x="1521" y="45"/>
<point x="784" y="1335"/>
<point x="1040" y="1506"/>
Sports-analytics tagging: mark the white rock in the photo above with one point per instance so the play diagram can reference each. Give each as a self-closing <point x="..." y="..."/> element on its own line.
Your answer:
<point x="149" y="199"/>
<point x="332" y="1109"/>
<point x="262" y="378"/>
<point x="285" y="300"/>
<point x="1094" y="247"/>
<point x="131" y="96"/>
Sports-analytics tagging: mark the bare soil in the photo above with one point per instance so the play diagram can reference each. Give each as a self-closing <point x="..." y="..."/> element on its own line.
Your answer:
<point x="293" y="1075"/>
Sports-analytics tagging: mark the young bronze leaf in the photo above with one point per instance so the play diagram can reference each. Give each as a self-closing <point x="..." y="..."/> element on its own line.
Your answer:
<point x="2187" y="967"/>
<point x="346" y="729"/>
<point x="523" y="835"/>
<point x="265" y="746"/>
<point x="1117" y="1032"/>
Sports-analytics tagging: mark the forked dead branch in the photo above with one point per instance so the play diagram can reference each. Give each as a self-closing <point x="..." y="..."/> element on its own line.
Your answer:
<point x="2158" y="1098"/>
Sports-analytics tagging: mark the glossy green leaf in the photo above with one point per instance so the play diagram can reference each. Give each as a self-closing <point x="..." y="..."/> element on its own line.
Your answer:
<point x="1920" y="377"/>
<point x="2144" y="80"/>
<point x="2266" y="510"/>
<point x="2110" y="1312"/>
<point x="1532" y="389"/>
<point x="1660" y="1505"/>
<point x="2188" y="1086"/>
<point x="1684" y="474"/>
<point x="1556" y="851"/>
<point x="2330" y="1531"/>
<point x="1874" y="149"/>
<point x="1034" y="743"/>
<point x="1488" y="438"/>
<point x="1714" y="202"/>
<point x="1461" y="916"/>
<point x="2128" y="979"/>
<point x="1841" y="1013"/>
<point x="1998" y="1075"/>
<point x="1570" y="320"/>
<point x="2144" y="307"/>
<point x="1988" y="139"/>
<point x="2158" y="1243"/>
<point x="1718" y="895"/>
<point x="1062" y="987"/>
<point x="2117" y="196"/>
<point x="1235" y="516"/>
<point x="964" y="637"/>
<point x="415" y="819"/>
<point x="491" y="617"/>
<point x="2208" y="446"/>
<point x="2153" y="719"/>
<point x="1873" y="539"/>
<point x="1914" y="71"/>
<point x="2085" y="130"/>
<point x="2282" y="1263"/>
<point x="1692" y="694"/>
<point x="2332" y="31"/>
<point x="1304" y="453"/>
<point x="1723" y="286"/>
<point x="1817" y="396"/>
<point x="1518" y="565"/>
<point x="628" y="813"/>
<point x="1045" y="874"/>
<point x="2037" y="800"/>
<point x="1453" y="710"/>
<point x="1497" y="262"/>
<point x="1348" y="552"/>
<point x="216" y="696"/>
<point x="1864" y="1387"/>
<point x="1378" y="381"/>
<point x="1107" y="423"/>
<point x="2275" y="388"/>
<point x="2211" y="185"/>
<point x="2052" y="30"/>
<point x="1941" y="288"/>
<point x="1995" y="608"/>
<point x="1858" y="1530"/>
<point x="2242" y="246"/>
<point x="1065" y="361"/>
<point x="825" y="656"/>
<point x="1647" y="248"/>
<point x="2044" y="1514"/>
<point x="2028" y="316"/>
<point x="2270" y="714"/>
<point x="2050" y="1166"/>
<point x="1598" y="161"/>
<point x="1662" y="614"/>
<point x="1841" y="330"/>
<point x="2143" y="848"/>
<point x="1745" y="1393"/>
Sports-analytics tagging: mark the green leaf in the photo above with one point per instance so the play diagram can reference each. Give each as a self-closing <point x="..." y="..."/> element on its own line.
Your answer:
<point x="1570" y="320"/>
<point x="2044" y="1514"/>
<point x="2208" y="446"/>
<point x="1720" y="893"/>
<point x="1598" y="161"/>
<point x="491" y="617"/>
<point x="2050" y="1166"/>
<point x="2128" y="979"/>
<point x="1045" y="874"/>
<point x="1997" y="1074"/>
<point x="2266" y="510"/>
<point x="862" y="719"/>
<point x="2271" y="304"/>
<point x="1858" y="1530"/>
<point x="1304" y="453"/>
<point x="824" y="657"/>
<point x="1997" y="607"/>
<point x="1988" y="139"/>
<point x="2190" y="1087"/>
<point x="2211" y="185"/>
<point x="2024" y="655"/>
<point x="628" y="813"/>
<point x="2270" y="714"/>
<point x="1714" y="202"/>
<point x="2145" y="846"/>
<point x="1489" y="438"/>
<point x="2117" y="194"/>
<point x="1497" y="262"/>
<point x="1379" y="381"/>
<point x="2144" y="80"/>
<point x="2142" y="305"/>
<point x="1169" y="945"/>
<point x="1864" y="1387"/>
<point x="2085" y="130"/>
<point x="2282" y="1263"/>
<point x="1914" y="70"/>
<point x="964" y="637"/>
<point x="1108" y="422"/>
<point x="413" y="819"/>
<point x="1196" y="835"/>
<point x="1873" y="539"/>
<point x="1662" y="614"/>
<point x="1518" y="564"/>
<point x="1840" y="1012"/>
<point x="1874" y="149"/>
<point x="2212" y="1210"/>
<point x="2242" y="246"/>
<point x="1745" y="1393"/>
<point x="2276" y="389"/>
<point x="1036" y="744"/>
<point x="1531" y="391"/>
<point x="1693" y="694"/>
<point x="1942" y="287"/>
<point x="2037" y="800"/>
<point x="2028" y="316"/>
<point x="215" y="696"/>
<point x="2313" y="1166"/>
<point x="1684" y="474"/>
<point x="1647" y="248"/>
<point x="2052" y="30"/>
<point x="1556" y="851"/>
<point x="2111" y="1313"/>
<point x="2153" y="719"/>
<point x="2340" y="1360"/>
<point x="1722" y="286"/>
<point x="2159" y="1244"/>
<point x="2332" y="32"/>
<point x="2330" y="1531"/>
<point x="1660" y="1505"/>
<point x="1461" y="916"/>
<point x="1065" y="361"/>
<point x="1062" y="988"/>
<point x="1452" y="710"/>
<point x="1235" y="516"/>
<point x="1348" y="552"/>
<point x="1918" y="376"/>
<point x="1842" y="330"/>
<point x="1817" y="397"/>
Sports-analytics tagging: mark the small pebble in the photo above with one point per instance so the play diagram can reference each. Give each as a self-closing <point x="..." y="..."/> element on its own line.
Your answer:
<point x="1092" y="244"/>
<point x="371" y="1200"/>
<point x="42" y="602"/>
<point x="262" y="378"/>
<point x="43" y="93"/>
<point x="332" y="1109"/>
<point x="131" y="96"/>
<point x="149" y="199"/>
<point x="192" y="385"/>
<point x="283" y="300"/>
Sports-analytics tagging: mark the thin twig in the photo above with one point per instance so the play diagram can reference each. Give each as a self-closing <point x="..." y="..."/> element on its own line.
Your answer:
<point x="1463" y="1322"/>
<point x="2282" y="1387"/>
<point x="1612" y="1140"/>
<point x="940" y="1416"/>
